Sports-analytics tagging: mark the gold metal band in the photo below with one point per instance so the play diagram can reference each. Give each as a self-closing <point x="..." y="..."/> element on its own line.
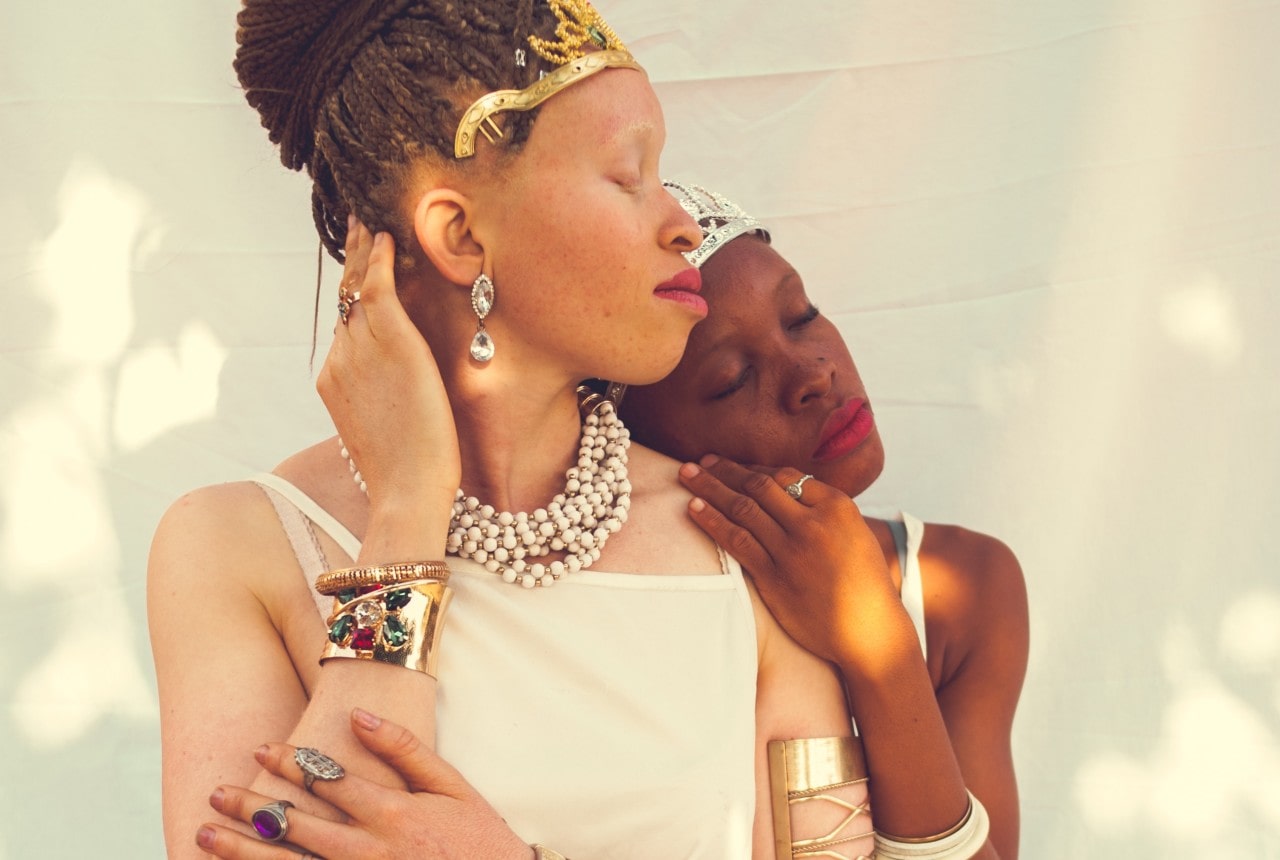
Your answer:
<point x="400" y="624"/>
<point x="479" y="117"/>
<point x="807" y="770"/>
<point x="347" y="578"/>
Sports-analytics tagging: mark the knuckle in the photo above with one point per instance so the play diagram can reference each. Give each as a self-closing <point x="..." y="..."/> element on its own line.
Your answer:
<point x="757" y="483"/>
<point x="401" y="743"/>
<point x="738" y="542"/>
<point x="743" y="508"/>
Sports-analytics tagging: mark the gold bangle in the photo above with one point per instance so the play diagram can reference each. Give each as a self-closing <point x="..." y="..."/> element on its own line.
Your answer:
<point x="950" y="831"/>
<point x="400" y="624"/>
<point x="348" y="578"/>
<point x="807" y="770"/>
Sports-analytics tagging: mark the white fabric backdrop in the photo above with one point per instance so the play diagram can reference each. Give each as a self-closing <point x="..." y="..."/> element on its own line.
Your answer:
<point x="1050" y="231"/>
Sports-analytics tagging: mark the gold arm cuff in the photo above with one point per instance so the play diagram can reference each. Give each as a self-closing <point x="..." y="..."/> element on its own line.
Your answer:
<point x="801" y="768"/>
<point x="344" y="579"/>
<point x="479" y="117"/>
<point x="400" y="624"/>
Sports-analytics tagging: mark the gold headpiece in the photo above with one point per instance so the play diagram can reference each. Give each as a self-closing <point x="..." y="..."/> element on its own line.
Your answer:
<point x="579" y="25"/>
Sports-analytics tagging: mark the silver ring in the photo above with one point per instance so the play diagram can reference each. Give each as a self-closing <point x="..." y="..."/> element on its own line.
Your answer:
<point x="270" y="821"/>
<point x="796" y="488"/>
<point x="316" y="765"/>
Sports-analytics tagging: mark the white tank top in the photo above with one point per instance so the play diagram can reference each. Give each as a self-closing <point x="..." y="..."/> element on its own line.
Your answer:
<point x="612" y="715"/>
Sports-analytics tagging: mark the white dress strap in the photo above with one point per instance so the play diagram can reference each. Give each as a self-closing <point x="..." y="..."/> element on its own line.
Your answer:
<point x="297" y="528"/>
<point x="912" y="581"/>
<point x="312" y="511"/>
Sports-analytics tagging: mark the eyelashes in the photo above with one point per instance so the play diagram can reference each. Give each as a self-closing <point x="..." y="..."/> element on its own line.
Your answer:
<point x="810" y="314"/>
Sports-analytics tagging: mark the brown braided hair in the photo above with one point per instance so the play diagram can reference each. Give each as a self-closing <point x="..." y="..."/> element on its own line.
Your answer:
<point x="358" y="91"/>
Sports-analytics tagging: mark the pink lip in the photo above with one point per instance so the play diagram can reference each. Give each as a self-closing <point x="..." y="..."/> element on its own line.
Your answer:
<point x="683" y="289"/>
<point x="844" y="430"/>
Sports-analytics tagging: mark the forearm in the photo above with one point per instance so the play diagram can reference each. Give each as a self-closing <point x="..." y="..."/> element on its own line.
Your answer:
<point x="399" y="693"/>
<point x="917" y="787"/>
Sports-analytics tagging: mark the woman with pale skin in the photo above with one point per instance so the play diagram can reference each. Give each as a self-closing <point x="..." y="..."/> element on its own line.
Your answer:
<point x="622" y="713"/>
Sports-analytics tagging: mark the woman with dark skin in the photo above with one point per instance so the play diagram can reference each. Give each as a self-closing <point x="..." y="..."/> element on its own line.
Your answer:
<point x="766" y="380"/>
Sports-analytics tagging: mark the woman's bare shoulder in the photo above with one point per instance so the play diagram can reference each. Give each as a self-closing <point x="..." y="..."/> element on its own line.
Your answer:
<point x="975" y="598"/>
<point x="659" y="536"/>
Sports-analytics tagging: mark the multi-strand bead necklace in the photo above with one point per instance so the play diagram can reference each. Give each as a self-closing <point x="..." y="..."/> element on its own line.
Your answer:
<point x="577" y="522"/>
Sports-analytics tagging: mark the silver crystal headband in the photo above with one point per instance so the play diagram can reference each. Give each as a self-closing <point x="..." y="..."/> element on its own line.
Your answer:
<point x="720" y="219"/>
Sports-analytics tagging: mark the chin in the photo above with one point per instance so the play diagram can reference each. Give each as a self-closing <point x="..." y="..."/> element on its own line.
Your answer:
<point x="856" y="472"/>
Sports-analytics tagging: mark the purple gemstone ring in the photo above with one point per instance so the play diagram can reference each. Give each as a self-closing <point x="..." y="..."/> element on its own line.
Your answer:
<point x="270" y="821"/>
<point x="316" y="765"/>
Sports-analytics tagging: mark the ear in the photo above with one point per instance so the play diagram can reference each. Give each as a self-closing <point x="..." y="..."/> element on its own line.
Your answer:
<point x="443" y="222"/>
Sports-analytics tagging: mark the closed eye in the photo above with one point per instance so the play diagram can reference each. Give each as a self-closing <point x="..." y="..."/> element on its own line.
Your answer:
<point x="733" y="386"/>
<point x="811" y="313"/>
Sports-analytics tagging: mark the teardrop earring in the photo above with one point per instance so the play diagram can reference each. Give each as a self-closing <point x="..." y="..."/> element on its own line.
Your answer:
<point x="482" y="303"/>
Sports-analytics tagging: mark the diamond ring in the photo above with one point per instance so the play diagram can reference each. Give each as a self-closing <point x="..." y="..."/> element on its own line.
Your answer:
<point x="796" y="488"/>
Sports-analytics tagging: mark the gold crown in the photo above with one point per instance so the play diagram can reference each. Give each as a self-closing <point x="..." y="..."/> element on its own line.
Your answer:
<point x="578" y="25"/>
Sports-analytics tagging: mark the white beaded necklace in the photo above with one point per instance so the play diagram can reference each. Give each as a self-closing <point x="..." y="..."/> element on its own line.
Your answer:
<point x="594" y="505"/>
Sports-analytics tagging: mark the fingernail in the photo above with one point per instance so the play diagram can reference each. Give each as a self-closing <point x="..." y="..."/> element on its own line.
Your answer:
<point x="205" y="837"/>
<point x="215" y="799"/>
<point x="689" y="470"/>
<point x="261" y="753"/>
<point x="365" y="720"/>
<point x="351" y="221"/>
<point x="709" y="459"/>
<point x="696" y="505"/>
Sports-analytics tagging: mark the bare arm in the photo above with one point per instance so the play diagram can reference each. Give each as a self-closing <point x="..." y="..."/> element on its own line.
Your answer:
<point x="233" y="659"/>
<point x="823" y="575"/>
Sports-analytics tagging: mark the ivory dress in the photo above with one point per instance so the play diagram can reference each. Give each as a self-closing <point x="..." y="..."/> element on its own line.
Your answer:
<point x="611" y="716"/>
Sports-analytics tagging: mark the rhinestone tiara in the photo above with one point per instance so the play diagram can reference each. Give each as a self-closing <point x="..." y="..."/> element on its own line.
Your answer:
<point x="720" y="219"/>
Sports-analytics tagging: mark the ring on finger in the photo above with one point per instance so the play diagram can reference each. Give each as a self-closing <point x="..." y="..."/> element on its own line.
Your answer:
<point x="316" y="765"/>
<point x="346" y="301"/>
<point x="796" y="488"/>
<point x="270" y="821"/>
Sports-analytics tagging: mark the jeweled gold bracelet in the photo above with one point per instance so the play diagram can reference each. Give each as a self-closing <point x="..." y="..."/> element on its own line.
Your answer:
<point x="400" y="624"/>
<point x="334" y="582"/>
<point x="807" y="770"/>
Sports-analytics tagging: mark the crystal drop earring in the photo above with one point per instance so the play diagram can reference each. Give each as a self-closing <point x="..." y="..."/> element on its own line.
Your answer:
<point x="482" y="303"/>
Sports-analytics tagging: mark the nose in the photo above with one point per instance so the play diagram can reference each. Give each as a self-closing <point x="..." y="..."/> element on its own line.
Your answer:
<point x="679" y="231"/>
<point x="811" y="381"/>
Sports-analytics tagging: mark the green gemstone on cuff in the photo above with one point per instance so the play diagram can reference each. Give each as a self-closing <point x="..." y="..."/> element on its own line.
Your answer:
<point x="340" y="630"/>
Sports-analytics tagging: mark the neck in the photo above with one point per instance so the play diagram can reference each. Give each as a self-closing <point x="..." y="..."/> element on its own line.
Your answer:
<point x="516" y="416"/>
<point x="516" y="437"/>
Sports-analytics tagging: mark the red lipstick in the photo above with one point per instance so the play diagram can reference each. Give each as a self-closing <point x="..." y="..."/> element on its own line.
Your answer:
<point x="684" y="288"/>
<point x="845" y="429"/>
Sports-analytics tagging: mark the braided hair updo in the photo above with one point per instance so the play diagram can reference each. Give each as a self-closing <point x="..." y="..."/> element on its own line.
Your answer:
<point x="357" y="91"/>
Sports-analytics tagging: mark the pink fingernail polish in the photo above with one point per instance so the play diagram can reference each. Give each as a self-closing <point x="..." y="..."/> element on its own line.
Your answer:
<point x="215" y="799"/>
<point x="205" y="837"/>
<point x="260" y="754"/>
<point x="709" y="459"/>
<point x="697" y="505"/>
<point x="689" y="470"/>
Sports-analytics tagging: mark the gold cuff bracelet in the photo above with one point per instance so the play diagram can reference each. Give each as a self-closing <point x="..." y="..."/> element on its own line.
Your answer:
<point x="808" y="770"/>
<point x="400" y="624"/>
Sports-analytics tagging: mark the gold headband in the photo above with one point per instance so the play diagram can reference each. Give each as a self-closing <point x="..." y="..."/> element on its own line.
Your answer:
<point x="479" y="117"/>
<point x="578" y="24"/>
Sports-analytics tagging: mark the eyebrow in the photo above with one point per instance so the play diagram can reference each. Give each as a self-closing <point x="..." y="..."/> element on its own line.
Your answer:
<point x="641" y="128"/>
<point x="791" y="275"/>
